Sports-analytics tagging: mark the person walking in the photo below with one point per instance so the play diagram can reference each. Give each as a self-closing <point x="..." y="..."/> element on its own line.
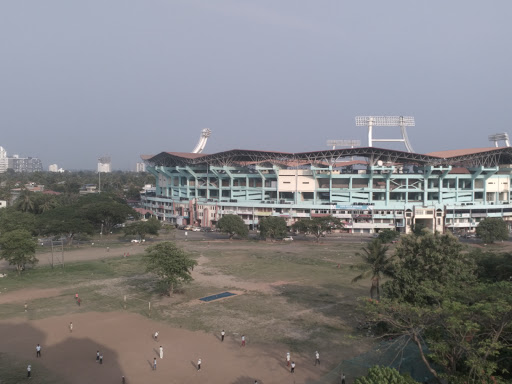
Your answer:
<point x="243" y="341"/>
<point x="161" y="352"/>
<point x="222" y="334"/>
<point x="123" y="381"/>
<point x="156" y="336"/>
<point x="29" y="369"/>
<point x="342" y="378"/>
<point x="154" y="364"/>
<point x="71" y="327"/>
<point x="199" y="364"/>
<point x="292" y="370"/>
<point x="38" y="350"/>
<point x="26" y="307"/>
<point x="97" y="356"/>
<point x="317" y="358"/>
<point x="287" y="359"/>
<point x="79" y="301"/>
<point x="101" y="358"/>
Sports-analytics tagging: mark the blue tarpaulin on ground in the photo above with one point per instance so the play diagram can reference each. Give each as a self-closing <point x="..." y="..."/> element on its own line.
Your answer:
<point x="217" y="296"/>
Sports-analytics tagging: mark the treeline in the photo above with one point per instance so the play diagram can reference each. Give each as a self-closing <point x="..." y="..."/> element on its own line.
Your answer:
<point x="122" y="184"/>
<point x="454" y="304"/>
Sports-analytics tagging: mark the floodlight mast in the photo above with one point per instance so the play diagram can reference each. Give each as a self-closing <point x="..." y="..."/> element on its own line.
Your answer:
<point x="387" y="121"/>
<point x="205" y="134"/>
<point x="343" y="143"/>
<point x="497" y="137"/>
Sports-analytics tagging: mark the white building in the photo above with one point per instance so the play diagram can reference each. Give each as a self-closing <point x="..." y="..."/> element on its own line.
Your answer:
<point x="55" y="168"/>
<point x="141" y="167"/>
<point x="104" y="164"/>
<point x="4" y="162"/>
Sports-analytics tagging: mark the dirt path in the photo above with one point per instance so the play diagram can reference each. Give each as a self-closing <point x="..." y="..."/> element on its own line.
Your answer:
<point x="125" y="339"/>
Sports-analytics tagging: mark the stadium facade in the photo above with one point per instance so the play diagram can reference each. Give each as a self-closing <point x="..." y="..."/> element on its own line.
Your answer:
<point x="369" y="189"/>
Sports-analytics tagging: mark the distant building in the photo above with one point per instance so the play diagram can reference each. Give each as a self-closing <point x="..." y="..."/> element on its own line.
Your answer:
<point x="4" y="162"/>
<point x="24" y="164"/>
<point x="88" y="188"/>
<point x="105" y="164"/>
<point x="141" y="167"/>
<point x="55" y="168"/>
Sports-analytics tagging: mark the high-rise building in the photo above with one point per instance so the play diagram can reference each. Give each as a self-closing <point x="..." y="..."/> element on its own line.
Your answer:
<point x="24" y="164"/>
<point x="141" y="167"/>
<point x="4" y="163"/>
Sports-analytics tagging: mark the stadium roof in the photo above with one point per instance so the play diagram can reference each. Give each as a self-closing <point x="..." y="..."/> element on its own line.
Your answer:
<point x="488" y="157"/>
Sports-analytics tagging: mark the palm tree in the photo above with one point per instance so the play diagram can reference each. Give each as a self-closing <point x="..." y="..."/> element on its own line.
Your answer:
<point x="375" y="264"/>
<point x="25" y="201"/>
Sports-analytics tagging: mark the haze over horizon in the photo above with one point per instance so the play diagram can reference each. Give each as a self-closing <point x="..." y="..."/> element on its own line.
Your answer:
<point x="125" y="78"/>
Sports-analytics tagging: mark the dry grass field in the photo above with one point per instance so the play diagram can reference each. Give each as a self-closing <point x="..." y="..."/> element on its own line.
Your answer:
<point x="290" y="297"/>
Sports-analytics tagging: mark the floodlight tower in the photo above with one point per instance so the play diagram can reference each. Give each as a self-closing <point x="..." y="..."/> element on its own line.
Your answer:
<point x="205" y="134"/>
<point x="387" y="121"/>
<point x="343" y="143"/>
<point x="497" y="137"/>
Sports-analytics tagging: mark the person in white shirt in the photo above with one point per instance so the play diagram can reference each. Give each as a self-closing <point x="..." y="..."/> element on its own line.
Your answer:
<point x="222" y="335"/>
<point x="38" y="350"/>
<point x="198" y="364"/>
<point x="161" y="352"/>
<point x="156" y="336"/>
<point x="292" y="370"/>
<point x="287" y="359"/>
<point x="317" y="358"/>
<point x="29" y="368"/>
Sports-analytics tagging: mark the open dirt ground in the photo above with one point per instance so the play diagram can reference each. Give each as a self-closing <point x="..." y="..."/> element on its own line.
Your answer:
<point x="128" y="347"/>
<point x="126" y="341"/>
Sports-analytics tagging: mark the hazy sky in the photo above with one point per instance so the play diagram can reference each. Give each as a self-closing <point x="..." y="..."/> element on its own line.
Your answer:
<point x="81" y="79"/>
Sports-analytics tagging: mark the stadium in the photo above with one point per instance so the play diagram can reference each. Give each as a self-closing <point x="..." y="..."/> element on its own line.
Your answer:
<point x="369" y="189"/>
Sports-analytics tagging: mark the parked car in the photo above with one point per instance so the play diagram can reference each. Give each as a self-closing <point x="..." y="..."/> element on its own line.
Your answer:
<point x="206" y="229"/>
<point x="138" y="241"/>
<point x="196" y="229"/>
<point x="188" y="228"/>
<point x="288" y="238"/>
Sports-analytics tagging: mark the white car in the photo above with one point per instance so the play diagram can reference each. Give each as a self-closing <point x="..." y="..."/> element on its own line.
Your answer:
<point x="196" y="229"/>
<point x="288" y="238"/>
<point x="138" y="241"/>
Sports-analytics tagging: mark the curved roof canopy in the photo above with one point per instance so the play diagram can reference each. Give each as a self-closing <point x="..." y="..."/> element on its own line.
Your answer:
<point x="488" y="157"/>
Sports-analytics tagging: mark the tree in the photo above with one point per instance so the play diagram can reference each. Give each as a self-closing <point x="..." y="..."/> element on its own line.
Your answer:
<point x="273" y="227"/>
<point x="491" y="229"/>
<point x="170" y="263"/>
<point x="11" y="219"/>
<point x="233" y="225"/>
<point x="388" y="235"/>
<point x="25" y="201"/>
<point x="67" y="221"/>
<point x="142" y="228"/>
<point x="18" y="248"/>
<point x="434" y="299"/>
<point x="104" y="210"/>
<point x="376" y="264"/>
<point x="317" y="226"/>
<point x="384" y="375"/>
<point x="423" y="264"/>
